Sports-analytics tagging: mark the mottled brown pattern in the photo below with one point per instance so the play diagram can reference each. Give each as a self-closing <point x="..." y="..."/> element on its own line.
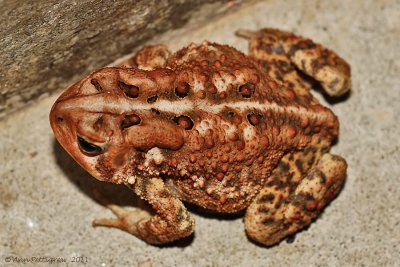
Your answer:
<point x="214" y="127"/>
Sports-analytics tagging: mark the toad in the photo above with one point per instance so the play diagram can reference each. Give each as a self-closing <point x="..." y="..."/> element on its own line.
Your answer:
<point x="211" y="126"/>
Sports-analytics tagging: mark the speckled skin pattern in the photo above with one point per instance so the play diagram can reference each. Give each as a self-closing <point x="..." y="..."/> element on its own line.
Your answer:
<point x="214" y="127"/>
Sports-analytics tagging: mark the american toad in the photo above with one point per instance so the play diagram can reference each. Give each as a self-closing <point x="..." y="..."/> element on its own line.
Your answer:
<point x="214" y="127"/>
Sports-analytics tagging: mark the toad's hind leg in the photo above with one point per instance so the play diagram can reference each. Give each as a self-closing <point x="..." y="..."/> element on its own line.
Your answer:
<point x="285" y="205"/>
<point x="284" y="54"/>
<point x="171" y="222"/>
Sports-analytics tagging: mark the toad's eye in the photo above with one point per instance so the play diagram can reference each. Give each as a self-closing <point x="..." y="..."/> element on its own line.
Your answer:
<point x="89" y="148"/>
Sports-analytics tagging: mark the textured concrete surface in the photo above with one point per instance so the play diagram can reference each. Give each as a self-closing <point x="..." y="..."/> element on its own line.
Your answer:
<point x="46" y="44"/>
<point x="46" y="200"/>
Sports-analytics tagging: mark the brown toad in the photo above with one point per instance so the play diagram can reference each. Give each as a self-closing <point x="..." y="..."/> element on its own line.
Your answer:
<point x="211" y="126"/>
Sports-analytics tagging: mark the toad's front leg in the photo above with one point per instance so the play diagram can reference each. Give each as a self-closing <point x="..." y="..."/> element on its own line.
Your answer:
<point x="171" y="222"/>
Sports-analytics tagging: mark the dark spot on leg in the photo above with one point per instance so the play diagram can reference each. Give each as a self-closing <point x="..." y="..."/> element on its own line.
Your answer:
<point x="293" y="49"/>
<point x="300" y="199"/>
<point x="266" y="198"/>
<point x="299" y="165"/>
<point x="179" y="215"/>
<point x="310" y="149"/>
<point x="290" y="85"/>
<point x="311" y="160"/>
<point x="302" y="45"/>
<point x="284" y="66"/>
<point x="316" y="65"/>
<point x="284" y="166"/>
<point x="278" y="75"/>
<point x="266" y="65"/>
<point x="263" y="209"/>
<point x="268" y="48"/>
<point x="278" y="204"/>
<point x="322" y="177"/>
<point x="277" y="182"/>
<point x="336" y="158"/>
<point x="325" y="150"/>
<point x="268" y="221"/>
<point x="334" y="83"/>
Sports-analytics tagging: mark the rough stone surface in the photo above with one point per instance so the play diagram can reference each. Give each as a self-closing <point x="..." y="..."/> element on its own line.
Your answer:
<point x="46" y="199"/>
<point x="47" y="44"/>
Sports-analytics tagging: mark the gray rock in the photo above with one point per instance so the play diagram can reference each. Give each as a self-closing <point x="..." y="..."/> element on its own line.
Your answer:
<point x="47" y="44"/>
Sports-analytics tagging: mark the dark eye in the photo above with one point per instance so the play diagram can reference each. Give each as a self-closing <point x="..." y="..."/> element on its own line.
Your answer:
<point x="89" y="148"/>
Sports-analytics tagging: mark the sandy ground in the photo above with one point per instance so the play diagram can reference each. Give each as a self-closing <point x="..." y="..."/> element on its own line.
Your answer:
<point x="46" y="199"/>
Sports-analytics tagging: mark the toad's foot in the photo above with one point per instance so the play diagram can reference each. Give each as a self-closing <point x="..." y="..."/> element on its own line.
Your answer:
<point x="126" y="220"/>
